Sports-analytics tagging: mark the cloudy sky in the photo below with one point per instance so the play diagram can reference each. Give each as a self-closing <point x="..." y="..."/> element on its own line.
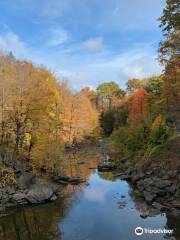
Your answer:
<point x="87" y="41"/>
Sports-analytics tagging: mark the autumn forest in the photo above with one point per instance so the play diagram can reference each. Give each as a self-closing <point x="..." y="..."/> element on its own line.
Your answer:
<point x="40" y="115"/>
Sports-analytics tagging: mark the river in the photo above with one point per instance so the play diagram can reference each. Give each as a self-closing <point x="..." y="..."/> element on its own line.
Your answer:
<point x="103" y="208"/>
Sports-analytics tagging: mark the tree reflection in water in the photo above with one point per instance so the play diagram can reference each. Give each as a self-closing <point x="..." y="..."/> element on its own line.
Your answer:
<point x="42" y="222"/>
<point x="65" y="218"/>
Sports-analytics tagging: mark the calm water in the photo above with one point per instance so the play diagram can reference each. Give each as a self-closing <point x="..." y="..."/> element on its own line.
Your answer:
<point x="103" y="209"/>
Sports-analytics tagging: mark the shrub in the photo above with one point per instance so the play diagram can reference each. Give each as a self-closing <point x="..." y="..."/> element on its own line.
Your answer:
<point x="119" y="139"/>
<point x="7" y="176"/>
<point x="159" y="132"/>
<point x="137" y="141"/>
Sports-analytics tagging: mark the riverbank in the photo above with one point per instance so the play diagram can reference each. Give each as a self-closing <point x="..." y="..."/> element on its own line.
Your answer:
<point x="104" y="208"/>
<point x="30" y="189"/>
<point x="159" y="187"/>
<point x="157" y="180"/>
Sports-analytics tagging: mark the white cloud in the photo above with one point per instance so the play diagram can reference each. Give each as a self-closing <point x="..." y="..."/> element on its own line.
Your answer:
<point x="87" y="69"/>
<point x="97" y="194"/>
<point x="94" y="44"/>
<point x="58" y="36"/>
<point x="135" y="63"/>
<point x="11" y="42"/>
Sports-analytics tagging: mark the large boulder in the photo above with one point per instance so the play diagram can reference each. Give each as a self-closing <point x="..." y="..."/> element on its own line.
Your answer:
<point x="25" y="180"/>
<point x="41" y="191"/>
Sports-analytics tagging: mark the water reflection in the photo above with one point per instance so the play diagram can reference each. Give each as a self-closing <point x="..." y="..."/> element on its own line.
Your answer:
<point x="104" y="209"/>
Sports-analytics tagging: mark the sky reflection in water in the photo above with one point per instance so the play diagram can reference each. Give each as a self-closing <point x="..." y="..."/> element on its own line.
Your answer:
<point x="106" y="209"/>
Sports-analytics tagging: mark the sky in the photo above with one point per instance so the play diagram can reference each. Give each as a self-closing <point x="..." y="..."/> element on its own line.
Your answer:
<point x="85" y="41"/>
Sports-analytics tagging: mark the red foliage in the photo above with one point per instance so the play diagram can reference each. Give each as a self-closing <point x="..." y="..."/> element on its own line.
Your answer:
<point x="138" y="106"/>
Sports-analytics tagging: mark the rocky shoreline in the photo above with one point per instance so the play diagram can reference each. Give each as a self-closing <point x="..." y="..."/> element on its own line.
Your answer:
<point x="28" y="190"/>
<point x="159" y="188"/>
<point x="32" y="190"/>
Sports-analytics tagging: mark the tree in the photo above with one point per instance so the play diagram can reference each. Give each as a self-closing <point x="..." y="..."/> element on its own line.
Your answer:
<point x="133" y="84"/>
<point x="138" y="107"/>
<point x="169" y="54"/>
<point x="107" y="120"/>
<point x="159" y="131"/>
<point x="108" y="94"/>
<point x="169" y="21"/>
<point x="39" y="114"/>
<point x="91" y="95"/>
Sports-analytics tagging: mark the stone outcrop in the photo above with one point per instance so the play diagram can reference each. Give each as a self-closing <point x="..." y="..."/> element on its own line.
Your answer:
<point x="159" y="188"/>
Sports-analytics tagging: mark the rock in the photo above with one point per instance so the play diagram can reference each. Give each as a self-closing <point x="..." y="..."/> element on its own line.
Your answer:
<point x="53" y="198"/>
<point x="160" y="183"/>
<point x="148" y="181"/>
<point x="175" y="212"/>
<point x="154" y="212"/>
<point x="2" y="208"/>
<point x="153" y="189"/>
<point x="60" y="178"/>
<point x="122" y="196"/>
<point x="10" y="190"/>
<point x="63" y="182"/>
<point x="20" y="198"/>
<point x="149" y="172"/>
<point x="161" y="193"/>
<point x="125" y="177"/>
<point x="25" y="180"/>
<point x="177" y="193"/>
<point x="122" y="204"/>
<point x="149" y="196"/>
<point x="106" y="167"/>
<point x="118" y="174"/>
<point x="176" y="203"/>
<point x="173" y="173"/>
<point x="40" y="192"/>
<point x="140" y="185"/>
<point x="171" y="189"/>
<point x="4" y="198"/>
<point x="157" y="205"/>
<point x="144" y="215"/>
<point x="137" y="176"/>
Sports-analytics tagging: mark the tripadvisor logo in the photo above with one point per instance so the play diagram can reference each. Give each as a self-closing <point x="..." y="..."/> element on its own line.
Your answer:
<point x="139" y="231"/>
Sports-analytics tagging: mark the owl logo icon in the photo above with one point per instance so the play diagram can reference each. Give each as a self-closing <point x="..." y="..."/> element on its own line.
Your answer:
<point x="139" y="231"/>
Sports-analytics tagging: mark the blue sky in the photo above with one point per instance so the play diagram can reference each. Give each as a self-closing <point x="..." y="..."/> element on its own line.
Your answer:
<point x="86" y="41"/>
